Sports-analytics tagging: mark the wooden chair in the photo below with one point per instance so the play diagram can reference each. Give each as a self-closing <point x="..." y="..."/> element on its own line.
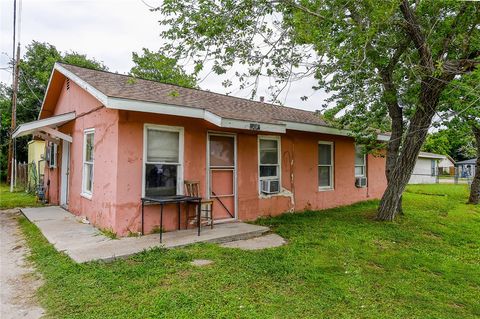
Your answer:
<point x="192" y="188"/>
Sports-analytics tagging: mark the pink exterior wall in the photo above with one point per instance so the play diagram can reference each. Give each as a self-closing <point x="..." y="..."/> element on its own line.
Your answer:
<point x="299" y="147"/>
<point x="118" y="163"/>
<point x="100" y="209"/>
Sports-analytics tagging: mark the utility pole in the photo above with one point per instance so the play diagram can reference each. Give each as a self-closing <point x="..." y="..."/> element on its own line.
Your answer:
<point x="11" y="145"/>
<point x="13" y="178"/>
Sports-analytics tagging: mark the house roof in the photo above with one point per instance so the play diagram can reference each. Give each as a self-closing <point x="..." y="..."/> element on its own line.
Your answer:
<point x="124" y="92"/>
<point x="469" y="161"/>
<point x="431" y="155"/>
<point x="127" y="87"/>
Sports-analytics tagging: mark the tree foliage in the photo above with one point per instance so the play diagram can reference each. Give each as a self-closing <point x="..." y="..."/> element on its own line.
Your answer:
<point x="461" y="114"/>
<point x="457" y="142"/>
<point x="385" y="63"/>
<point x="157" y="67"/>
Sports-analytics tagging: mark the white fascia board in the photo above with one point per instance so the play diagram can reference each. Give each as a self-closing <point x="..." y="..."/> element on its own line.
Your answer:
<point x="81" y="83"/>
<point x="212" y="118"/>
<point x="177" y="110"/>
<point x="45" y="95"/>
<point x="439" y="157"/>
<point x="316" y="129"/>
<point x="327" y="130"/>
<point x="246" y="125"/>
<point x="30" y="127"/>
<point x="160" y="108"/>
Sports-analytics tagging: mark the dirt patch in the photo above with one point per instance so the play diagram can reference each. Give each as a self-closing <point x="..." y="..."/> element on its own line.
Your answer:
<point x="18" y="279"/>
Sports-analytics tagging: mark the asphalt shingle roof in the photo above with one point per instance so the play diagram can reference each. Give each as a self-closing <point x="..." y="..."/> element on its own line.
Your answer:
<point x="127" y="87"/>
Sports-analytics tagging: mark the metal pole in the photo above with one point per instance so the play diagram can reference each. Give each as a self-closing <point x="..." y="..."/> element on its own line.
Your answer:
<point x="13" y="181"/>
<point x="10" y="143"/>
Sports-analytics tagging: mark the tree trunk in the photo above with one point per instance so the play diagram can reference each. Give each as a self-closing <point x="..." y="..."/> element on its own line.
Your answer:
<point x="390" y="97"/>
<point x="390" y="202"/>
<point x="400" y="205"/>
<point x="399" y="176"/>
<point x="475" y="188"/>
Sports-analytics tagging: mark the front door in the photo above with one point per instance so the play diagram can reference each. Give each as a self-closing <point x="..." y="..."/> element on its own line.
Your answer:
<point x="65" y="170"/>
<point x="222" y="175"/>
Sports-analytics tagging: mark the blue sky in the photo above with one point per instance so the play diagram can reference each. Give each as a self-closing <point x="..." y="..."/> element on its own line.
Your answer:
<point x="110" y="31"/>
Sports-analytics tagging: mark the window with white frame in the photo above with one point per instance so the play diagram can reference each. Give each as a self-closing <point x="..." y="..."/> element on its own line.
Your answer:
<point x="269" y="157"/>
<point x="163" y="167"/>
<point x="88" y="158"/>
<point x="360" y="161"/>
<point x="52" y="155"/>
<point x="325" y="165"/>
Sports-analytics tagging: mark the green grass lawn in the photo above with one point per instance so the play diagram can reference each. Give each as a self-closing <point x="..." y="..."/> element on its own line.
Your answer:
<point x="18" y="198"/>
<point x="339" y="263"/>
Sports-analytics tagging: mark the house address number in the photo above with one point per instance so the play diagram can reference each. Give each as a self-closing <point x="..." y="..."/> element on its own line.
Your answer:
<point x="255" y="127"/>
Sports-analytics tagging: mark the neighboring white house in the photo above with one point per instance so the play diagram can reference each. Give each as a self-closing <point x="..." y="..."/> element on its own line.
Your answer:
<point x="446" y="165"/>
<point x="426" y="168"/>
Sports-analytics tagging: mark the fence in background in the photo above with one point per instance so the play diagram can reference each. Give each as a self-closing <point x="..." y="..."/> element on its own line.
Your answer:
<point x="440" y="176"/>
<point x="26" y="177"/>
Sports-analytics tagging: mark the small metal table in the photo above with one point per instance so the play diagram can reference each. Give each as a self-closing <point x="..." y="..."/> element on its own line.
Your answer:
<point x="176" y="199"/>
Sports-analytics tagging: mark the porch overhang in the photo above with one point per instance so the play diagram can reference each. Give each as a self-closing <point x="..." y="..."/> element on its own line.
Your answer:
<point x="46" y="128"/>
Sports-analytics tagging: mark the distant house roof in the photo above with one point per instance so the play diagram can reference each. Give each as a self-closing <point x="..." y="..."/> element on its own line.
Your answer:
<point x="119" y="91"/>
<point x="431" y="155"/>
<point x="466" y="162"/>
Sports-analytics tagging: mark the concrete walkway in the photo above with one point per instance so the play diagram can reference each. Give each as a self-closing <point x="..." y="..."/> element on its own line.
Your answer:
<point x="83" y="242"/>
<point x="263" y="242"/>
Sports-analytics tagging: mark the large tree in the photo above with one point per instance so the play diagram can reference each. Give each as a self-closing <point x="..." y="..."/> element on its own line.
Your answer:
<point x="35" y="68"/>
<point x="375" y="57"/>
<point x="156" y="66"/>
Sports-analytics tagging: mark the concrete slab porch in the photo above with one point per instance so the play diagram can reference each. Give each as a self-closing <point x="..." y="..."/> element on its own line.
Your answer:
<point x="83" y="242"/>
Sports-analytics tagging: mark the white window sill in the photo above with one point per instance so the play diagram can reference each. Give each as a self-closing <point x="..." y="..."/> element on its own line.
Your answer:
<point x="326" y="189"/>
<point x="86" y="195"/>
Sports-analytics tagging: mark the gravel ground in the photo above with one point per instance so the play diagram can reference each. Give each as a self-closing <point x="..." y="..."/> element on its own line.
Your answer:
<point x="18" y="280"/>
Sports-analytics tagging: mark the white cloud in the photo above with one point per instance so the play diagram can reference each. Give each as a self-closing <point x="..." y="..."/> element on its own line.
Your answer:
<point x="110" y="31"/>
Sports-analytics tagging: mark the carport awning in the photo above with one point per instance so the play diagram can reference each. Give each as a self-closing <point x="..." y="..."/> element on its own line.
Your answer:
<point x="46" y="128"/>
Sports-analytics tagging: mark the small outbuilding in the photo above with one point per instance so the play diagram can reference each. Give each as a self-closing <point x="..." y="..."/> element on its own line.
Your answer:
<point x="467" y="168"/>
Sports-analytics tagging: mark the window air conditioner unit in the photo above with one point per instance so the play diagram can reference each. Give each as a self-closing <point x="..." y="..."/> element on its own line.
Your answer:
<point x="270" y="186"/>
<point x="360" y="182"/>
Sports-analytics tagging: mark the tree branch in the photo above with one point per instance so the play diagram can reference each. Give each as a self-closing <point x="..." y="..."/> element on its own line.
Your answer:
<point x="304" y="9"/>
<point x="461" y="66"/>
<point x="449" y="37"/>
<point x="413" y="29"/>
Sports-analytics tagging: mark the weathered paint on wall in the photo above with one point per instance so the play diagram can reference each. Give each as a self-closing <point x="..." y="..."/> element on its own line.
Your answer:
<point x="100" y="209"/>
<point x="298" y="164"/>
<point x="118" y="161"/>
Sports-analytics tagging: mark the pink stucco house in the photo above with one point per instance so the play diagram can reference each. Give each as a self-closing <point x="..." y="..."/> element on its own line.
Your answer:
<point x="115" y="138"/>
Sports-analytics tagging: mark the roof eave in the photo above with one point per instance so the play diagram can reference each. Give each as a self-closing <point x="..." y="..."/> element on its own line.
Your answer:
<point x="159" y="108"/>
